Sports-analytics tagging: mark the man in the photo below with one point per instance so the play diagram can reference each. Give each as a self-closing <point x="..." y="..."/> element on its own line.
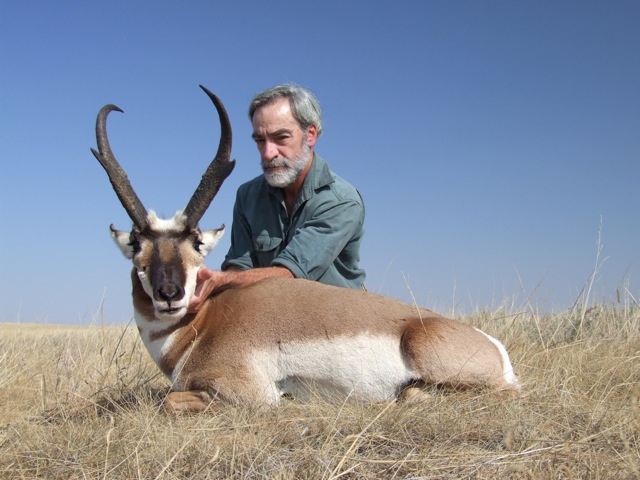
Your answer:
<point x="298" y="219"/>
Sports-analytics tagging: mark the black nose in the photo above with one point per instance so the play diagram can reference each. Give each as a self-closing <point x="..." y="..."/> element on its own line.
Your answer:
<point x="169" y="292"/>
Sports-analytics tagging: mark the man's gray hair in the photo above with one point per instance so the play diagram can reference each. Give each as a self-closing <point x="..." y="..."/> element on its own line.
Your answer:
<point x="304" y="104"/>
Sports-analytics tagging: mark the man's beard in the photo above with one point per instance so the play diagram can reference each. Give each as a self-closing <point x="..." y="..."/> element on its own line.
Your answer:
<point x="283" y="177"/>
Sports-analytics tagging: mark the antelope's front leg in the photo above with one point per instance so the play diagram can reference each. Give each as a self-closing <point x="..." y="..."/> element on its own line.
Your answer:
<point x="194" y="401"/>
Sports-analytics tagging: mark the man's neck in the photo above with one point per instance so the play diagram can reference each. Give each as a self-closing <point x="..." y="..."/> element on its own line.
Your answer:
<point x="291" y="192"/>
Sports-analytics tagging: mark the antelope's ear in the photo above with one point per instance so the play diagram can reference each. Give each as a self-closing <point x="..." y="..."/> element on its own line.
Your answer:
<point x="123" y="240"/>
<point x="210" y="239"/>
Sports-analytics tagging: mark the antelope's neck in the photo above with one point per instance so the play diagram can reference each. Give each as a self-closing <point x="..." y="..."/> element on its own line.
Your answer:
<point x="168" y="342"/>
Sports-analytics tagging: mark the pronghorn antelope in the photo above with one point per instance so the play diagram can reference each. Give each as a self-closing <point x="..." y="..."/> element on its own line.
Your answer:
<point x="279" y="336"/>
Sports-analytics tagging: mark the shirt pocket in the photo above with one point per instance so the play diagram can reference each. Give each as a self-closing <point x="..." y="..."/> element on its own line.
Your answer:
<point x="266" y="248"/>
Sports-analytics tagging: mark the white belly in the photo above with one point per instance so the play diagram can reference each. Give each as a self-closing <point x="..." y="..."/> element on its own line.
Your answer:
<point x="364" y="367"/>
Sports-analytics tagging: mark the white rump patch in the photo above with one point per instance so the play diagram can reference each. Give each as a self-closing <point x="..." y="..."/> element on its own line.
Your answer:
<point x="507" y="369"/>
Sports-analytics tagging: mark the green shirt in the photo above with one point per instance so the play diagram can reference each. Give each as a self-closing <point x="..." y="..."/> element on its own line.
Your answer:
<point x="320" y="241"/>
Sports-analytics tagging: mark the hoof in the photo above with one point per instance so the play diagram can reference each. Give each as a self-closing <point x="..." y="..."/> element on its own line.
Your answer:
<point x="414" y="395"/>
<point x="187" y="402"/>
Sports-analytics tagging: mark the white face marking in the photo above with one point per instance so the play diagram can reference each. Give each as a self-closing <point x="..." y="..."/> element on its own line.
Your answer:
<point x="209" y="239"/>
<point x="145" y="282"/>
<point x="178" y="308"/>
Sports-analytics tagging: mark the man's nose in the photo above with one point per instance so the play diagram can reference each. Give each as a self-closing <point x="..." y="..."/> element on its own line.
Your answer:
<point x="269" y="151"/>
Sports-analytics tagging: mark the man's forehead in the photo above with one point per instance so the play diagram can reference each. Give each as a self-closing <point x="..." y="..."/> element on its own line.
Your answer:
<point x="273" y="117"/>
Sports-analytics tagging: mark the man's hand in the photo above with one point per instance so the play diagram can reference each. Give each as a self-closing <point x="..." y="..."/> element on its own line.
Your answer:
<point x="211" y="281"/>
<point x="205" y="286"/>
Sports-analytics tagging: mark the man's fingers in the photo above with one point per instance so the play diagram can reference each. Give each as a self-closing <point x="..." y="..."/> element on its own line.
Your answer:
<point x="196" y="299"/>
<point x="201" y="291"/>
<point x="204" y="274"/>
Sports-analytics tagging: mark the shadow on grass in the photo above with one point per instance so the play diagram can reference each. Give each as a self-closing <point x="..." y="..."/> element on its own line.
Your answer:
<point x="103" y="404"/>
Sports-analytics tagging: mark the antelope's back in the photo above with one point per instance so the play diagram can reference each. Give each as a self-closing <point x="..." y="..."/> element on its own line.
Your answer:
<point x="279" y="308"/>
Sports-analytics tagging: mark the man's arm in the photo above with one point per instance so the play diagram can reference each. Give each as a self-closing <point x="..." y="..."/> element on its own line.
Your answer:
<point x="211" y="281"/>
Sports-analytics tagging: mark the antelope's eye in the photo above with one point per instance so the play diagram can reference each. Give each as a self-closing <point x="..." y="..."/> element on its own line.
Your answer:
<point x="196" y="244"/>
<point x="135" y="246"/>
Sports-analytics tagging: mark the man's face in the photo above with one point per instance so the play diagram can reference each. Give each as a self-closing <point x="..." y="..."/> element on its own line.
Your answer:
<point x="285" y="150"/>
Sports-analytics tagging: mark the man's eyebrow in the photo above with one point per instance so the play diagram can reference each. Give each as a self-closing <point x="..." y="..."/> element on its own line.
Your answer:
<point x="282" y="131"/>
<point x="277" y="133"/>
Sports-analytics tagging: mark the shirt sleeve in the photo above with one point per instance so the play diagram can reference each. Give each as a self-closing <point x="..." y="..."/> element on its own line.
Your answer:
<point x="317" y="242"/>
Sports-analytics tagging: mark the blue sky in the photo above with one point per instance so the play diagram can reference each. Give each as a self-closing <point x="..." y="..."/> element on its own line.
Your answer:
<point x="489" y="139"/>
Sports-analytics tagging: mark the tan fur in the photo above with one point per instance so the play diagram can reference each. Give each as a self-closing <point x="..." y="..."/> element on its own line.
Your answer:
<point x="274" y="314"/>
<point x="166" y="250"/>
<point x="452" y="353"/>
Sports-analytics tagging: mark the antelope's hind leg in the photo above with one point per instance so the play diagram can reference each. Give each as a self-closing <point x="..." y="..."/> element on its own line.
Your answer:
<point x="452" y="354"/>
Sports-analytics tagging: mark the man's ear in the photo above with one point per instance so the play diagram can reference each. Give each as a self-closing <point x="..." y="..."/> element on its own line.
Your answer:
<point x="312" y="135"/>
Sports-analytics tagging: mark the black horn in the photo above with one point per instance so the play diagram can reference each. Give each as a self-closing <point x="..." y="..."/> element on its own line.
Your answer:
<point x="219" y="168"/>
<point x="117" y="175"/>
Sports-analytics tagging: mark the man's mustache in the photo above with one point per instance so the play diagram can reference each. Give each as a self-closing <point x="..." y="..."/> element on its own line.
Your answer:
<point x="276" y="162"/>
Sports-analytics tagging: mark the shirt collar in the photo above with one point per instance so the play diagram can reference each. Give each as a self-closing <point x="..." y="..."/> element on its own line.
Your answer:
<point x="317" y="177"/>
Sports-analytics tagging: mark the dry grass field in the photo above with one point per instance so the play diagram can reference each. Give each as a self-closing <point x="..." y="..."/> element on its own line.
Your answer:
<point x="84" y="402"/>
